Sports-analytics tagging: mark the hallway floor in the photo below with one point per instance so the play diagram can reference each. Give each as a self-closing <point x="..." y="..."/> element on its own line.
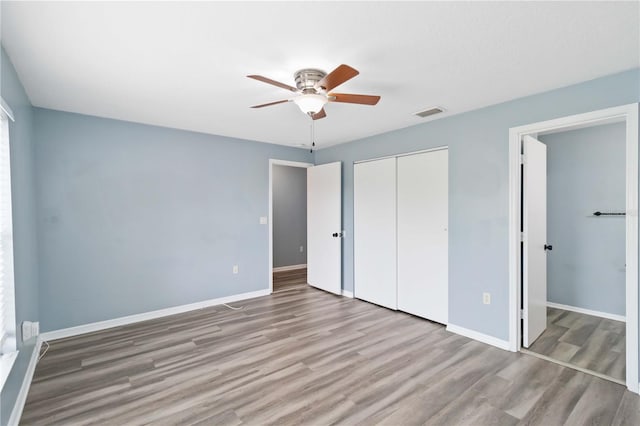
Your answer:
<point x="592" y="343"/>
<point x="286" y="279"/>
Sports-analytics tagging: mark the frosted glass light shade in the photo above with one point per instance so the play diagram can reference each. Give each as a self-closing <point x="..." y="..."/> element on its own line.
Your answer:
<point x="310" y="104"/>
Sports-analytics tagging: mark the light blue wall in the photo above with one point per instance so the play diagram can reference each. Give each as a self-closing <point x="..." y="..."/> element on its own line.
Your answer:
<point x="134" y="218"/>
<point x="586" y="173"/>
<point x="478" y="187"/>
<point x="289" y="215"/>
<point x="24" y="224"/>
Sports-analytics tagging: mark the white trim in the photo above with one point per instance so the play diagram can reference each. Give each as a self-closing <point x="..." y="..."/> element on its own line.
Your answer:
<point x="8" y="327"/>
<point x="628" y="114"/>
<point x="6" y="109"/>
<point x="301" y="164"/>
<point x="515" y="238"/>
<point x="6" y="362"/>
<point x="403" y="154"/>
<point x="289" y="268"/>
<point x="631" y="221"/>
<point x="615" y="317"/>
<point x="484" y="338"/>
<point x="347" y="293"/>
<point x="274" y="162"/>
<point x="16" y="413"/>
<point x="130" y="319"/>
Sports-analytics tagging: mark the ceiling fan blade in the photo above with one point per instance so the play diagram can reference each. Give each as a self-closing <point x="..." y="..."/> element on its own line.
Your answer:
<point x="275" y="83"/>
<point x="338" y="76"/>
<point x="271" y="103"/>
<point x="353" y="99"/>
<point x="320" y="114"/>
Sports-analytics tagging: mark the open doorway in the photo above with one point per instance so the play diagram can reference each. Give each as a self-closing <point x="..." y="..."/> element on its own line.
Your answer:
<point x="585" y="255"/>
<point x="288" y="224"/>
<point x="574" y="245"/>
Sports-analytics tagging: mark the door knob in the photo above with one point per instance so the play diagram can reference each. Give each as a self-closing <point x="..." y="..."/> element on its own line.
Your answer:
<point x="548" y="247"/>
<point x="337" y="234"/>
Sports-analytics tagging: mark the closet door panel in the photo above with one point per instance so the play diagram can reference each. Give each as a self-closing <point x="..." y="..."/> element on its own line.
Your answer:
<point x="422" y="235"/>
<point x="375" y="232"/>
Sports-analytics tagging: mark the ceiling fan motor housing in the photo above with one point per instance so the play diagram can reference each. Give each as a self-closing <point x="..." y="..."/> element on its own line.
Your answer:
<point x="307" y="80"/>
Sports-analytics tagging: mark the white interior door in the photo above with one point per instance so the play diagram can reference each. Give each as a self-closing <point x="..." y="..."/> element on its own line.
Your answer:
<point x="423" y="209"/>
<point x="534" y="221"/>
<point x="374" y="195"/>
<point x="324" y="227"/>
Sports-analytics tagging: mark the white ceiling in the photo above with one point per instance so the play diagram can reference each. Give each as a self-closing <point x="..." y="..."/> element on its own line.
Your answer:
<point x="183" y="65"/>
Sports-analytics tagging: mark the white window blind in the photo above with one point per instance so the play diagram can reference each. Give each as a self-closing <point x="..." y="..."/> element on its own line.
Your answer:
<point x="7" y="299"/>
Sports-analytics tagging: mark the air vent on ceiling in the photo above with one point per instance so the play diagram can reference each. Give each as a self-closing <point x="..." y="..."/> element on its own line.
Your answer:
<point x="430" y="111"/>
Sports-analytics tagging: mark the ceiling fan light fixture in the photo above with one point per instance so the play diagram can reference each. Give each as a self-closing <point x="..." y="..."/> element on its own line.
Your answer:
<point x="310" y="103"/>
<point x="314" y="89"/>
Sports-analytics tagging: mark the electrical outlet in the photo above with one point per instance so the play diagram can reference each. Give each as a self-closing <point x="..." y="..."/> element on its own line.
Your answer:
<point x="486" y="298"/>
<point x="29" y="330"/>
<point x="301" y="249"/>
<point x="26" y="331"/>
<point x="235" y="269"/>
<point x="263" y="220"/>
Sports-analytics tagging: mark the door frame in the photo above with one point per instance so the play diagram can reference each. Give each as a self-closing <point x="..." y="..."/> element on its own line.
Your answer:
<point x="624" y="113"/>
<point x="275" y="162"/>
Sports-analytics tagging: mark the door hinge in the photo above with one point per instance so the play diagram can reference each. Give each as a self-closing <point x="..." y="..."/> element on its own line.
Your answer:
<point x="521" y="313"/>
<point x="522" y="237"/>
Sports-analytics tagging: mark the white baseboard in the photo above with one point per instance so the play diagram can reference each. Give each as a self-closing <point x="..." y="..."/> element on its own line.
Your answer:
<point x="289" y="268"/>
<point x="16" y="413"/>
<point x="484" y="338"/>
<point x="587" y="311"/>
<point x="347" y="293"/>
<point x="117" y="322"/>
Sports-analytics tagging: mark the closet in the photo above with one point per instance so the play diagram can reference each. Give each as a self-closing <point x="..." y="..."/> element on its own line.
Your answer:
<point x="400" y="233"/>
<point x="375" y="231"/>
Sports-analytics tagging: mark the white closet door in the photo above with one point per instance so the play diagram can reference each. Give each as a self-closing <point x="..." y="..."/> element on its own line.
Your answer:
<point x="423" y="276"/>
<point x="375" y="232"/>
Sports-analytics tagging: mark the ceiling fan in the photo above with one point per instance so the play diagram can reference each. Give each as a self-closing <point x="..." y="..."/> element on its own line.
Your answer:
<point x="314" y="87"/>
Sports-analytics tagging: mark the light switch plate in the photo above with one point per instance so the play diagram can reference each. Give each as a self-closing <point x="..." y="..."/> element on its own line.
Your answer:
<point x="263" y="220"/>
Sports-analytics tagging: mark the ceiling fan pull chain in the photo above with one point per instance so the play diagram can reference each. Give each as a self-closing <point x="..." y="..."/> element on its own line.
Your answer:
<point x="313" y="133"/>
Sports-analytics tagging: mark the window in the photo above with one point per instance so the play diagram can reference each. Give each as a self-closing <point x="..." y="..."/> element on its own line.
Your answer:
<point x="7" y="300"/>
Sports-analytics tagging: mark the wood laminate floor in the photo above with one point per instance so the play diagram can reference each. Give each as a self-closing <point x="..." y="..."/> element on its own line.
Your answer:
<point x="285" y="279"/>
<point x="303" y="356"/>
<point x="592" y="343"/>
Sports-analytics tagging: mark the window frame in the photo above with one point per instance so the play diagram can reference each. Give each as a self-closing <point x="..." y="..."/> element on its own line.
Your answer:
<point x="8" y="346"/>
